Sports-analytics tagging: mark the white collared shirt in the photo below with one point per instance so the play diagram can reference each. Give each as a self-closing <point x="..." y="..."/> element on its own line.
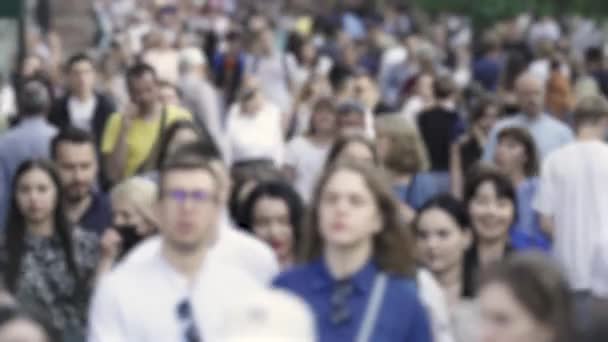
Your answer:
<point x="138" y="301"/>
<point x="233" y="247"/>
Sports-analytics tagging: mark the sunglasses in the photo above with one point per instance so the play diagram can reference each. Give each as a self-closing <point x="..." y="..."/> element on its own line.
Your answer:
<point x="198" y="196"/>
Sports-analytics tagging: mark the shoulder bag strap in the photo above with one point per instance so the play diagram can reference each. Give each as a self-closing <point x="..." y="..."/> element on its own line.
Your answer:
<point x="373" y="308"/>
<point x="150" y="162"/>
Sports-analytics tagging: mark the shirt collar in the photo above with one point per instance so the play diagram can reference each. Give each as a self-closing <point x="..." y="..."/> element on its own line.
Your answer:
<point x="363" y="280"/>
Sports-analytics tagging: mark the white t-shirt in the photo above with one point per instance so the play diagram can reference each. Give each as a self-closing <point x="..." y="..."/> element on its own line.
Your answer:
<point x="573" y="190"/>
<point x="81" y="113"/>
<point x="256" y="136"/>
<point x="307" y="159"/>
<point x="139" y="302"/>
<point x="233" y="247"/>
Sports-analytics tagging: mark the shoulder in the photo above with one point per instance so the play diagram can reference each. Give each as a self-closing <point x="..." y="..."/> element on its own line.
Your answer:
<point x="142" y="252"/>
<point x="556" y="124"/>
<point x="178" y="113"/>
<point x="245" y="243"/>
<point x="295" y="277"/>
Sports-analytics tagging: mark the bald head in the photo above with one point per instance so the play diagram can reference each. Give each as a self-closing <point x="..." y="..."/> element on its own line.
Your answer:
<point x="530" y="95"/>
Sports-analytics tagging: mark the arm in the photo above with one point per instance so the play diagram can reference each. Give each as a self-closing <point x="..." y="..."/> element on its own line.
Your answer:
<point x="114" y="145"/>
<point x="547" y="224"/>
<point x="456" y="175"/>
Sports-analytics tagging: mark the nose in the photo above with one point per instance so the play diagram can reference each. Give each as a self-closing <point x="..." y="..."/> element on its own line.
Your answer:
<point x="276" y="230"/>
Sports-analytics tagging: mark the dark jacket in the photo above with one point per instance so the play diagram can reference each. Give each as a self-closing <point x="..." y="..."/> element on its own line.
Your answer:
<point x="60" y="116"/>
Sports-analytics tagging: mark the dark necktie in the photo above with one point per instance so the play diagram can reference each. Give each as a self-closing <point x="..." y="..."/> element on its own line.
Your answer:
<point x="186" y="318"/>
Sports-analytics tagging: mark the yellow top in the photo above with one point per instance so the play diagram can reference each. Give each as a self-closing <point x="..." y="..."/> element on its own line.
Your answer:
<point x="141" y="136"/>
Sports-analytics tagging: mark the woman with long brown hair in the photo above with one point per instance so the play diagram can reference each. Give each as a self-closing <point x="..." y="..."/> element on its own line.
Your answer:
<point x="359" y="261"/>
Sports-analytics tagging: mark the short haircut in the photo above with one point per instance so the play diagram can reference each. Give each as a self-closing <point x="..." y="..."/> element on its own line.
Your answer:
<point x="72" y="135"/>
<point x="35" y="98"/>
<point x="590" y="110"/>
<point x="444" y="87"/>
<point x="139" y="70"/>
<point x="187" y="157"/>
<point x="77" y="58"/>
<point x="205" y="146"/>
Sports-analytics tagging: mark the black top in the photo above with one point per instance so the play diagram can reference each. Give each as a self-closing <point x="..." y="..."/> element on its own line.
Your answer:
<point x="470" y="153"/>
<point x="60" y="115"/>
<point x="439" y="129"/>
<point x="98" y="215"/>
<point x="471" y="270"/>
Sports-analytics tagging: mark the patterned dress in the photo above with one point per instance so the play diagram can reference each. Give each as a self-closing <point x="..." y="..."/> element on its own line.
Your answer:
<point x="46" y="285"/>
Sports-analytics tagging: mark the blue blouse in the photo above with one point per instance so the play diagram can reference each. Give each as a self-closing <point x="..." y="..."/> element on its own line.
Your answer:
<point x="401" y="316"/>
<point x="422" y="188"/>
<point x="526" y="232"/>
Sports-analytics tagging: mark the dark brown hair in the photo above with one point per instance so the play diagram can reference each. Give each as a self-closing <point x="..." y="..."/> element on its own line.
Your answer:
<point x="538" y="285"/>
<point x="522" y="136"/>
<point x="344" y="140"/>
<point x="393" y="245"/>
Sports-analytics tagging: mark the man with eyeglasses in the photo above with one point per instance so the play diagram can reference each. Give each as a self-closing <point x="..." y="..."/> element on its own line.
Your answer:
<point x="180" y="292"/>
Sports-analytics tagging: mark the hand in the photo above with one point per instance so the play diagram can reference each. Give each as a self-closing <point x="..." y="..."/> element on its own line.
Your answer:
<point x="129" y="113"/>
<point x="111" y="245"/>
<point x="408" y="213"/>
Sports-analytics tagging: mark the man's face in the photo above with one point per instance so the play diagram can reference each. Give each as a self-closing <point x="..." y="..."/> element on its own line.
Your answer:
<point x="531" y="96"/>
<point x="77" y="166"/>
<point x="144" y="91"/>
<point x="82" y="77"/>
<point x="189" y="209"/>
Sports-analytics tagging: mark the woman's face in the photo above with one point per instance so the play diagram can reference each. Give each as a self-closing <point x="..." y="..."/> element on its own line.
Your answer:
<point x="492" y="216"/>
<point x="488" y="120"/>
<point x="504" y="319"/>
<point x="271" y="223"/>
<point x="21" y="330"/>
<point x="36" y="196"/>
<point x="441" y="242"/>
<point x="126" y="213"/>
<point x="348" y="212"/>
<point x="182" y="137"/>
<point x="510" y="154"/>
<point x="357" y="151"/>
<point x="324" y="121"/>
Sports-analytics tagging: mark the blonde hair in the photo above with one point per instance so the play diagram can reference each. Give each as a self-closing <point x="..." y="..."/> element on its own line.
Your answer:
<point x="138" y="191"/>
<point x="407" y="151"/>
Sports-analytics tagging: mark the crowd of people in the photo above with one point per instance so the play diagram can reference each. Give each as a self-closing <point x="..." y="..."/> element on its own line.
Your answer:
<point x="229" y="170"/>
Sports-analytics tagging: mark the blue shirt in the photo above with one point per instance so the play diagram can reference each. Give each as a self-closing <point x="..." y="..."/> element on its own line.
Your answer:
<point x="401" y="316"/>
<point x="98" y="215"/>
<point x="30" y="139"/>
<point x="549" y="134"/>
<point x="487" y="72"/>
<point x="421" y="188"/>
<point x="526" y="232"/>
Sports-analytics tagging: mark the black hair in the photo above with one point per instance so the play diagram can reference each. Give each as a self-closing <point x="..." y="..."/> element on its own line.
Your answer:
<point x="16" y="227"/>
<point x="277" y="190"/>
<point x="73" y="135"/>
<point x="594" y="54"/>
<point x="139" y="70"/>
<point x="502" y="184"/>
<point x="450" y="205"/>
<point x="77" y="58"/>
<point x="205" y="146"/>
<point x="9" y="314"/>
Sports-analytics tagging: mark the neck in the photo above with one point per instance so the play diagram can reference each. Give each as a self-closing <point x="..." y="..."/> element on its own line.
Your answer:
<point x="589" y="133"/>
<point x="345" y="262"/>
<point x="187" y="264"/>
<point x="323" y="137"/>
<point x="517" y="177"/>
<point x="150" y="112"/>
<point x="451" y="283"/>
<point x="404" y="178"/>
<point x="491" y="251"/>
<point x="83" y="95"/>
<point x="533" y="116"/>
<point x="44" y="228"/>
<point x="76" y="209"/>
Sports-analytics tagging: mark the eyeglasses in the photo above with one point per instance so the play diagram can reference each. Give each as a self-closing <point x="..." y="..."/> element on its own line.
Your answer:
<point x="340" y="311"/>
<point x="184" y="314"/>
<point x="180" y="196"/>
